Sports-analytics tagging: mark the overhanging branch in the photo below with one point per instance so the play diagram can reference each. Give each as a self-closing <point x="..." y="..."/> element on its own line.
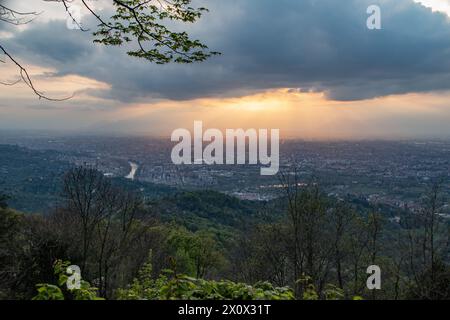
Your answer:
<point x="25" y="77"/>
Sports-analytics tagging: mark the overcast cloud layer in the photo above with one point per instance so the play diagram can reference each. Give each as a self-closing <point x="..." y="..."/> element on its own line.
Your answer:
<point x="311" y="45"/>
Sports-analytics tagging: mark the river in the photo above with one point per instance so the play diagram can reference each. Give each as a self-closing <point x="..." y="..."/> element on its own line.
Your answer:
<point x="132" y="174"/>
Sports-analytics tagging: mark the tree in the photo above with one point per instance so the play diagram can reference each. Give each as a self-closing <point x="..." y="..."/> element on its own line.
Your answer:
<point x="374" y="228"/>
<point x="29" y="246"/>
<point x="263" y="254"/>
<point x="141" y="24"/>
<point x="10" y="226"/>
<point x="87" y="192"/>
<point x="205" y="253"/>
<point x="3" y="201"/>
<point x="106" y="218"/>
<point x="115" y="234"/>
<point x="308" y="213"/>
<point x="364" y="245"/>
<point x="429" y="246"/>
<point x="436" y="281"/>
<point x="196" y="254"/>
<point x="342" y="218"/>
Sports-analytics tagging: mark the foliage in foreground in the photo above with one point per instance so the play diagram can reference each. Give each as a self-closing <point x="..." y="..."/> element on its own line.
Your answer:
<point x="61" y="292"/>
<point x="167" y="287"/>
<point x="182" y="287"/>
<point x="172" y="286"/>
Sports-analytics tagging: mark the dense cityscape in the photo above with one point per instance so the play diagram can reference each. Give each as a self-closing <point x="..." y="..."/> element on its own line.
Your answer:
<point x="394" y="173"/>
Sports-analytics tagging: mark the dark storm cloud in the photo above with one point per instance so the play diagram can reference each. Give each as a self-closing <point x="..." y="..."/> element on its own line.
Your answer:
<point x="52" y="44"/>
<point x="314" y="45"/>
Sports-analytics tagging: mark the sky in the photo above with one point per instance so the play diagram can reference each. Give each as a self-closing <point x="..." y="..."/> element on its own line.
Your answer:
<point x="310" y="68"/>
